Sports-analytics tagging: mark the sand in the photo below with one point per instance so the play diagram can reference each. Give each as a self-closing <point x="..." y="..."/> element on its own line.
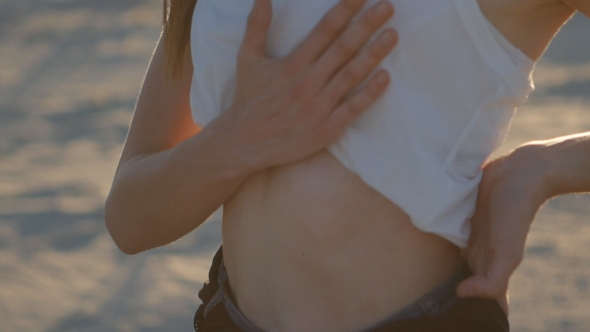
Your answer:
<point x="70" y="72"/>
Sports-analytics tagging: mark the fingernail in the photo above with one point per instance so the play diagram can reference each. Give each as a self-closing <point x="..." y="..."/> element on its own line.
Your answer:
<point x="387" y="37"/>
<point x="383" y="9"/>
<point x="382" y="78"/>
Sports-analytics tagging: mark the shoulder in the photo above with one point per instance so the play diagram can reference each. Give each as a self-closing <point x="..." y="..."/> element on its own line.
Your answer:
<point x="532" y="9"/>
<point x="528" y="24"/>
<point x="582" y="6"/>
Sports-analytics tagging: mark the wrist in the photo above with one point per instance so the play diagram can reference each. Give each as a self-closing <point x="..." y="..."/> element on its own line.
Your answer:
<point x="232" y="152"/>
<point x="568" y="158"/>
<point x="533" y="168"/>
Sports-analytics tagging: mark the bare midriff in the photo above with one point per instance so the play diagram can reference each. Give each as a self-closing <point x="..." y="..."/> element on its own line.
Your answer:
<point x="310" y="247"/>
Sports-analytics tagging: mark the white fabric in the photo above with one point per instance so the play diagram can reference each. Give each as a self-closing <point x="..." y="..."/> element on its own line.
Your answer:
<point x="453" y="92"/>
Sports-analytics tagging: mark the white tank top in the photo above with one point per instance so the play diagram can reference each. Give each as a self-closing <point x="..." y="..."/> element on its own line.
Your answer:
<point x="455" y="85"/>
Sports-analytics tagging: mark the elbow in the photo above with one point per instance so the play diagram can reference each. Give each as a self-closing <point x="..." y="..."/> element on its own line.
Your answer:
<point x="127" y="250"/>
<point x="119" y="232"/>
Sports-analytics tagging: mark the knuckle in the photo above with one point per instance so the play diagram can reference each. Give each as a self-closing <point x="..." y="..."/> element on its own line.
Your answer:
<point x="343" y="50"/>
<point x="300" y="91"/>
<point x="370" y="22"/>
<point x="332" y="95"/>
<point x="360" y="102"/>
<point x="330" y="25"/>
<point x="349" y="75"/>
<point x="349" y="5"/>
<point x="372" y="58"/>
<point x="253" y="19"/>
<point x="380" y="48"/>
<point x="353" y="107"/>
<point x="320" y="105"/>
<point x="294" y="64"/>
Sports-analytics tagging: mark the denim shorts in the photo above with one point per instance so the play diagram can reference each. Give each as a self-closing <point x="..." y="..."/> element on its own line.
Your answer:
<point x="438" y="310"/>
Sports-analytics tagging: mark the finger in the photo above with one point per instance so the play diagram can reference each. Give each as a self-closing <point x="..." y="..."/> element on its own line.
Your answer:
<point x="504" y="301"/>
<point x="467" y="292"/>
<point x="351" y="41"/>
<point x="328" y="29"/>
<point x="477" y="286"/>
<point x="492" y="285"/>
<point x="350" y="109"/>
<point x="360" y="67"/>
<point x="255" y="38"/>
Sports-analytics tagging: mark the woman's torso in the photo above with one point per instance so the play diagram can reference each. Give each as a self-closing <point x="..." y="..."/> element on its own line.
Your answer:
<point x="312" y="240"/>
<point x="315" y="239"/>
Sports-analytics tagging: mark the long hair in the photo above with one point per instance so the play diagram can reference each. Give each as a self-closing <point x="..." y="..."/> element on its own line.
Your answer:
<point x="177" y="30"/>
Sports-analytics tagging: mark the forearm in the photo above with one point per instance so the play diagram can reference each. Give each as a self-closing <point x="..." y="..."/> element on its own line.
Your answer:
<point x="568" y="161"/>
<point x="158" y="198"/>
<point x="284" y="110"/>
<point x="512" y="190"/>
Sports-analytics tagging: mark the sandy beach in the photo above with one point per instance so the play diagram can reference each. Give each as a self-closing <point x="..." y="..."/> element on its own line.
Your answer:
<point x="70" y="72"/>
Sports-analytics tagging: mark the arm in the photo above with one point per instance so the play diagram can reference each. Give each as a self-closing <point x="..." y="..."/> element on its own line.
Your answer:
<point x="512" y="190"/>
<point x="173" y="174"/>
<point x="514" y="187"/>
<point x="530" y="25"/>
<point x="582" y="6"/>
<point x="568" y="165"/>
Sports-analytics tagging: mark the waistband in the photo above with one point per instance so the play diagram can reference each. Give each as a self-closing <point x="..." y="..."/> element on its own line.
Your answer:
<point x="436" y="302"/>
<point x="224" y="297"/>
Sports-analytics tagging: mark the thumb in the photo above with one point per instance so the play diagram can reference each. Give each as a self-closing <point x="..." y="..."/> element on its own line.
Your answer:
<point x="492" y="285"/>
<point x="254" y="44"/>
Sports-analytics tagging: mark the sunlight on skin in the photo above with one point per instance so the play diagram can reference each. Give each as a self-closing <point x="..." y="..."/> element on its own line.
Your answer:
<point x="64" y="111"/>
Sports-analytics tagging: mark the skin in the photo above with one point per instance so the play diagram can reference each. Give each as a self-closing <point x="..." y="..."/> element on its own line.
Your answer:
<point x="237" y="145"/>
<point x="515" y="186"/>
<point x="230" y="161"/>
<point x="303" y="235"/>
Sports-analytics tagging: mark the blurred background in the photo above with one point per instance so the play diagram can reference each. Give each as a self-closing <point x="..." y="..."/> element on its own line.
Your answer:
<point x="70" y="72"/>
